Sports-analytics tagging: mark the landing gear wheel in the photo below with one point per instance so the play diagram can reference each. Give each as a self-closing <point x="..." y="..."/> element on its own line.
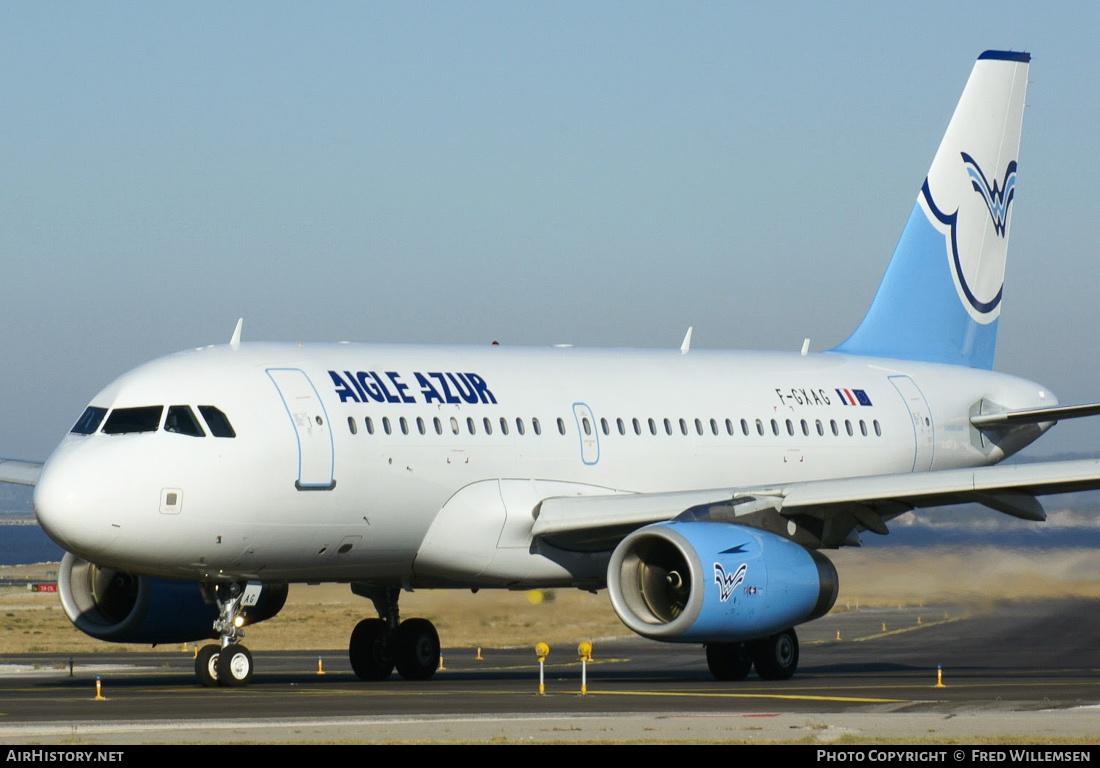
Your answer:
<point x="370" y="660"/>
<point x="234" y="665"/>
<point x="206" y="665"/>
<point x="729" y="661"/>
<point x="776" y="658"/>
<point x="416" y="649"/>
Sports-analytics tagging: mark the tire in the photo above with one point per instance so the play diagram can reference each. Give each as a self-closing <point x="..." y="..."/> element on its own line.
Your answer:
<point x="776" y="658"/>
<point x="370" y="659"/>
<point x="416" y="649"/>
<point x="729" y="662"/>
<point x="234" y="666"/>
<point x="206" y="665"/>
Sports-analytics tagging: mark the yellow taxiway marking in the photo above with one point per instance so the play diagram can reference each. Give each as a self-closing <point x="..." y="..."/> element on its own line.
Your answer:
<point x="727" y="695"/>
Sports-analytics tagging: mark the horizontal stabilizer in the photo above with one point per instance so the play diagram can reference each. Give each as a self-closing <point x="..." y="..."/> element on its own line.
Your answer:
<point x="1035" y="415"/>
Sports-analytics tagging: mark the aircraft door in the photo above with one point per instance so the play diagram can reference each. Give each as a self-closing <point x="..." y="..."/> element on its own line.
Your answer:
<point x="311" y="428"/>
<point x="921" y="415"/>
<point x="586" y="428"/>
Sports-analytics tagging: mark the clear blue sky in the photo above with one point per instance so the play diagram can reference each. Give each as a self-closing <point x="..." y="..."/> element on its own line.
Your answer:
<point x="593" y="173"/>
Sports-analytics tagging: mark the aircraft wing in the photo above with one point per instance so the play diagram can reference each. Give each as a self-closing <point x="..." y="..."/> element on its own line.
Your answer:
<point x="19" y="472"/>
<point x="824" y="513"/>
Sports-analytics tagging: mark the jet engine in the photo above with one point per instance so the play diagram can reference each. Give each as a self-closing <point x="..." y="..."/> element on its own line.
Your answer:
<point x="122" y="607"/>
<point x="712" y="582"/>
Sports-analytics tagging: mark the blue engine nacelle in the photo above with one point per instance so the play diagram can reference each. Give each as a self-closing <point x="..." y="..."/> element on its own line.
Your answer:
<point x="122" y="607"/>
<point x="711" y="582"/>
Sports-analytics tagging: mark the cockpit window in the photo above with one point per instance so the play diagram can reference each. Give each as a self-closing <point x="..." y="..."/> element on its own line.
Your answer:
<point x="181" y="420"/>
<point x="216" y="420"/>
<point x="127" y="420"/>
<point x="89" y="420"/>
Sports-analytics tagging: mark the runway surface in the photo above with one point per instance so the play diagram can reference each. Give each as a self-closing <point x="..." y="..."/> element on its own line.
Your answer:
<point x="1025" y="669"/>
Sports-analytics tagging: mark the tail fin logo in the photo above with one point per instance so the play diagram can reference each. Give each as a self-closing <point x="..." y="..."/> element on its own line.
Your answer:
<point x="997" y="199"/>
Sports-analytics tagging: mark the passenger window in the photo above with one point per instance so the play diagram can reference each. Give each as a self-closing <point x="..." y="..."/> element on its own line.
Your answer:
<point x="820" y="428"/>
<point x="775" y="427"/>
<point x="863" y="427"/>
<point x="760" y="427"/>
<point x="699" y="426"/>
<point x="404" y="425"/>
<point x="217" y="422"/>
<point x="790" y="428"/>
<point x="89" y="421"/>
<point x="438" y="425"/>
<point x="420" y="425"/>
<point x="848" y="426"/>
<point x="668" y="427"/>
<point x="470" y="425"/>
<point x="488" y="425"/>
<point x="603" y="425"/>
<point x="805" y="428"/>
<point x="370" y="425"/>
<point x="561" y="426"/>
<point x="181" y="421"/>
<point x="729" y="427"/>
<point x="878" y="429"/>
<point x="124" y="421"/>
<point x="744" y="428"/>
<point x="587" y="427"/>
<point x="454" y="426"/>
<point x="621" y="426"/>
<point x="536" y="426"/>
<point x="652" y="427"/>
<point x="519" y="425"/>
<point x="503" y="426"/>
<point x="352" y="426"/>
<point x="386" y="425"/>
<point x="714" y="427"/>
<point x="832" y="423"/>
<point x="683" y="426"/>
<point x="637" y="426"/>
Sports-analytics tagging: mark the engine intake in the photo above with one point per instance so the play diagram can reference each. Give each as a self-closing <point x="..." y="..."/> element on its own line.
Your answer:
<point x="122" y="607"/>
<point x="716" y="582"/>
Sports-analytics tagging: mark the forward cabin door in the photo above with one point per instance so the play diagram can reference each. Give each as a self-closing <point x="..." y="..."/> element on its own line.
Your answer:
<point x="311" y="428"/>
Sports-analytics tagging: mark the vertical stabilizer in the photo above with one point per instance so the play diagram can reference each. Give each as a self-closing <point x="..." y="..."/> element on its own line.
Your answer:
<point x="941" y="295"/>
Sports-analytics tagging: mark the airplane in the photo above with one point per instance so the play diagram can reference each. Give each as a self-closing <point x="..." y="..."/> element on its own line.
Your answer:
<point x="698" y="487"/>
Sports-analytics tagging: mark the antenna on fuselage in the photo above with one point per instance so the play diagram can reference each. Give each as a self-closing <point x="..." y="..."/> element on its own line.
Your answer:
<point x="235" y="340"/>
<point x="687" y="342"/>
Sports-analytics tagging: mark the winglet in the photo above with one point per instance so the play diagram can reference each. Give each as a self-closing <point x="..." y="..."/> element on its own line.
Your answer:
<point x="687" y="342"/>
<point x="235" y="340"/>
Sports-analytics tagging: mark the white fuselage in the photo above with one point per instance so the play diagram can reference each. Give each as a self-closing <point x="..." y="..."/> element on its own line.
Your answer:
<point x="309" y="489"/>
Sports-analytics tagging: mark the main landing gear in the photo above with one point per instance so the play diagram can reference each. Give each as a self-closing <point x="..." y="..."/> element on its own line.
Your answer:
<point x="229" y="663"/>
<point x="379" y="645"/>
<point x="775" y="657"/>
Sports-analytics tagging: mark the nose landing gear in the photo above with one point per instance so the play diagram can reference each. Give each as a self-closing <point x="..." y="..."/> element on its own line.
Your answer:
<point x="229" y="663"/>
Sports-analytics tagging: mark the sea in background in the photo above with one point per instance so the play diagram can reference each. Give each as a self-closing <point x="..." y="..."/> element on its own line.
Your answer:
<point x="1073" y="521"/>
<point x="22" y="542"/>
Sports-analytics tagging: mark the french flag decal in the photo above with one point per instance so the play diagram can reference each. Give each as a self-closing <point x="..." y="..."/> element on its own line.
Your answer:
<point x="853" y="397"/>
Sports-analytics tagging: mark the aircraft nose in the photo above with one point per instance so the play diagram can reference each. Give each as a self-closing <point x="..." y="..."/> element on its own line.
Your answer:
<point x="65" y="503"/>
